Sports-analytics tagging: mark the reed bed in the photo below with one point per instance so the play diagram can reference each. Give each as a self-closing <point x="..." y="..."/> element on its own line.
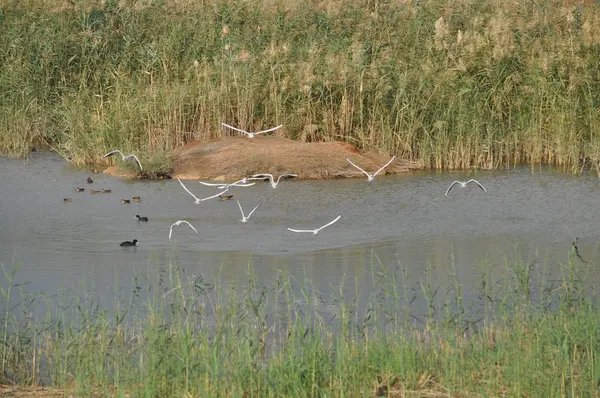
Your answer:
<point x="471" y="84"/>
<point x="522" y="331"/>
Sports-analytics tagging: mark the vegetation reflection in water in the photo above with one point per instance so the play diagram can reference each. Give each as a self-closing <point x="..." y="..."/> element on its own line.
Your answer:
<point x="523" y="331"/>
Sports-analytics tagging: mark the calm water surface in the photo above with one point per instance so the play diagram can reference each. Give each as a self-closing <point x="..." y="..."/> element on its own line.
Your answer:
<point x="396" y="220"/>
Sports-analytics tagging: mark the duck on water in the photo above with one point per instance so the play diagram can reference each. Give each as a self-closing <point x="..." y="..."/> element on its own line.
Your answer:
<point x="128" y="243"/>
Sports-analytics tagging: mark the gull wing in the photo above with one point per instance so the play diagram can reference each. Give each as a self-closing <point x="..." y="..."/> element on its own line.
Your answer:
<point x="477" y="182"/>
<point x="312" y="231"/>
<point x="252" y="210"/>
<point x="384" y="166"/>
<point x="214" y="196"/>
<point x="240" y="206"/>
<point x="178" y="223"/>
<point x="263" y="177"/>
<point x="450" y="187"/>
<point x="223" y="186"/>
<point x="236" y="129"/>
<point x="113" y="152"/>
<point x="191" y="226"/>
<point x="329" y="223"/>
<point x="368" y="175"/>
<point x="188" y="191"/>
<point x="136" y="159"/>
<point x="286" y="176"/>
<point x="210" y="184"/>
<point x="272" y="129"/>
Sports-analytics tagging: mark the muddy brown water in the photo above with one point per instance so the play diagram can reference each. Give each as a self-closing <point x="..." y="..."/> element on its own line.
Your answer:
<point x="401" y="220"/>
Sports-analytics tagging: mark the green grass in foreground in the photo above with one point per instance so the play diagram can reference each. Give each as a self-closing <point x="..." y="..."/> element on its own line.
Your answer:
<point x="484" y="84"/>
<point x="529" y="334"/>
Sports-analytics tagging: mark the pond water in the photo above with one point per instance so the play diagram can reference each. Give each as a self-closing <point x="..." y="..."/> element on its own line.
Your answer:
<point x="400" y="220"/>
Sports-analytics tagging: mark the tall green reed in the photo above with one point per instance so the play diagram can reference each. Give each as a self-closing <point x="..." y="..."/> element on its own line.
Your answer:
<point x="471" y="85"/>
<point x="171" y="334"/>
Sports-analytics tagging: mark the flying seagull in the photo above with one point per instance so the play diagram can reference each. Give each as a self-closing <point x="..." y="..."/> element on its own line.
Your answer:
<point x="269" y="177"/>
<point x="252" y="135"/>
<point x="315" y="231"/>
<point x="371" y="177"/>
<point x="239" y="183"/>
<point x="201" y="200"/>
<point x="178" y="223"/>
<point x="464" y="184"/>
<point x="124" y="157"/>
<point x="244" y="218"/>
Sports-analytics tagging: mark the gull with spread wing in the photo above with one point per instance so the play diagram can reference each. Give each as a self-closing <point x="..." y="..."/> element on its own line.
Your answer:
<point x="252" y="135"/>
<point x="371" y="177"/>
<point x="315" y="231"/>
<point x="269" y="177"/>
<point x="201" y="200"/>
<point x="464" y="184"/>
<point x="239" y="183"/>
<point x="246" y="218"/>
<point x="124" y="157"/>
<point x="178" y="223"/>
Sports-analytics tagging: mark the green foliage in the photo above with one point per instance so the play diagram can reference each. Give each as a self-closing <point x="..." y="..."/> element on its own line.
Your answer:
<point x="472" y="85"/>
<point x="525" y="334"/>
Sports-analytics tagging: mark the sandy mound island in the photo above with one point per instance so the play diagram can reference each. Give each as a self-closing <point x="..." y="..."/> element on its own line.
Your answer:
<point x="232" y="158"/>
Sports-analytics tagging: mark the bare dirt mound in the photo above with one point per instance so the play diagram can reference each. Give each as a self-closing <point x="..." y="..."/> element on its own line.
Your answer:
<point x="232" y="158"/>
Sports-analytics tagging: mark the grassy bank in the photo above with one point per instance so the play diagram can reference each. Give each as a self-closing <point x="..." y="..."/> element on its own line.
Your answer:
<point x="486" y="84"/>
<point x="527" y="334"/>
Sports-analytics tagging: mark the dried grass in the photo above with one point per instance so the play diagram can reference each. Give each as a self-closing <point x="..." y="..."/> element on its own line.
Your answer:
<point x="471" y="84"/>
<point x="232" y="158"/>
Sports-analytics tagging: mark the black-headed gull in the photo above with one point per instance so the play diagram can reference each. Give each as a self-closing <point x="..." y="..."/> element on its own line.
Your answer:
<point x="464" y="184"/>
<point x="371" y="177"/>
<point x="269" y="177"/>
<point x="197" y="200"/>
<point x="316" y="231"/>
<point x="178" y="223"/>
<point x="252" y="135"/>
<point x="246" y="218"/>
<point x="124" y="157"/>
